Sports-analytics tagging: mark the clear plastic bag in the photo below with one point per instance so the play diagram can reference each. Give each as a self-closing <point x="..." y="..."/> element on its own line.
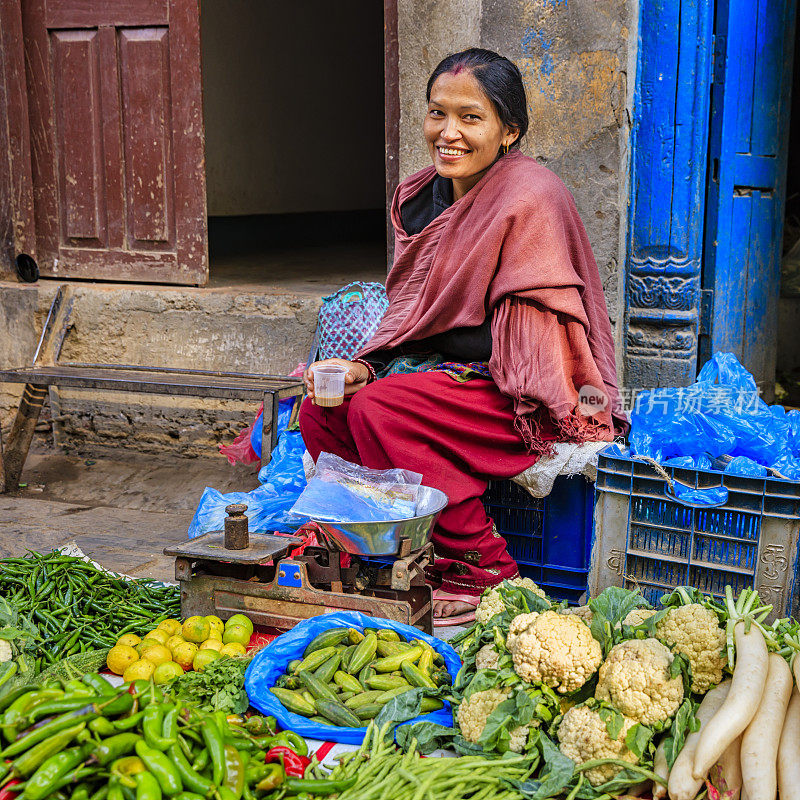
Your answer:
<point x="341" y="491"/>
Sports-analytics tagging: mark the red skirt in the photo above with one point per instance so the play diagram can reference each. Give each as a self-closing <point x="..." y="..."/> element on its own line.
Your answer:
<point x="458" y="436"/>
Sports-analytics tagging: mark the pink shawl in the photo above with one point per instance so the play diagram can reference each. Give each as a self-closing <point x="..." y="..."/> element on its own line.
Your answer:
<point x="513" y="247"/>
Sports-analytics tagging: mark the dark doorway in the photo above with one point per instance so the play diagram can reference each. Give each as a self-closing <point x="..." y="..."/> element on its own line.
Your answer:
<point x="294" y="119"/>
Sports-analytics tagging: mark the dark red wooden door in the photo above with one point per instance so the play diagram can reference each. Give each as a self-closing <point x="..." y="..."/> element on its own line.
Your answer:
<point x="117" y="139"/>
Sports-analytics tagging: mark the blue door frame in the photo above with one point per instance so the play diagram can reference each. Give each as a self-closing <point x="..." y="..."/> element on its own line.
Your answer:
<point x="669" y="142"/>
<point x="703" y="264"/>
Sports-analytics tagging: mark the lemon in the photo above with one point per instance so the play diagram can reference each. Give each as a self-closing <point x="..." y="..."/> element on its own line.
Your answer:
<point x="216" y="626"/>
<point x="184" y="654"/>
<point x="216" y="634"/>
<point x="212" y="644"/>
<point x="145" y="645"/>
<point x="166" y="672"/>
<point x="159" y="635"/>
<point x="120" y="657"/>
<point x="195" y="629"/>
<point x="233" y="650"/>
<point x="157" y="654"/>
<point x="204" y="658"/>
<point x="236" y="633"/>
<point x="240" y="619"/>
<point x="139" y="671"/>
<point x="171" y="626"/>
<point x="175" y="641"/>
<point x="130" y="639"/>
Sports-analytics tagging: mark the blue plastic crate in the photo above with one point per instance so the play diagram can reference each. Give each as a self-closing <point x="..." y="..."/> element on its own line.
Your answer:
<point x="550" y="538"/>
<point x="644" y="537"/>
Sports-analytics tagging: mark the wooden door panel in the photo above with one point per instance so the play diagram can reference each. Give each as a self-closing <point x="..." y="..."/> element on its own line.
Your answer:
<point x="78" y="111"/>
<point x="116" y="119"/>
<point x="113" y="14"/>
<point x="144" y="67"/>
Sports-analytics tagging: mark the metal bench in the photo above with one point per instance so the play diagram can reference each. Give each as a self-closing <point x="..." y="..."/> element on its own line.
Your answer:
<point x="46" y="372"/>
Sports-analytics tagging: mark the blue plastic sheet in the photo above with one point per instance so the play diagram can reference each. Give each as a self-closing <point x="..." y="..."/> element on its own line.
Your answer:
<point x="284" y="414"/>
<point x="721" y="414"/>
<point x="741" y="465"/>
<point x="271" y="662"/>
<point x="342" y="491"/>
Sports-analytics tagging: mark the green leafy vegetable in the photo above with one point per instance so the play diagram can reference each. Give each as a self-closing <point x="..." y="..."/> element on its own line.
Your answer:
<point x="429" y="736"/>
<point x="219" y="687"/>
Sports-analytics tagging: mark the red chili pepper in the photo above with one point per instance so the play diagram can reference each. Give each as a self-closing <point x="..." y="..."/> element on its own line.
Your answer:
<point x="6" y="793"/>
<point x="294" y="765"/>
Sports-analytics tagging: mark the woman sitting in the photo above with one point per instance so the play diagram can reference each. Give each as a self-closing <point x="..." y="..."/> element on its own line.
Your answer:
<point x="496" y="322"/>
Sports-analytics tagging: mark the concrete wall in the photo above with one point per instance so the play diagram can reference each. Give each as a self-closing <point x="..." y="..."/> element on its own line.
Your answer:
<point x="574" y="57"/>
<point x="293" y="105"/>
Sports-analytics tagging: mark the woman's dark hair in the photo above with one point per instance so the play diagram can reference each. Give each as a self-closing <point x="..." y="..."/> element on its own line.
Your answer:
<point x="499" y="78"/>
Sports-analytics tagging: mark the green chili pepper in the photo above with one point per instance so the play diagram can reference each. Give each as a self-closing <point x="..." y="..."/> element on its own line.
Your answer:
<point x="81" y="793"/>
<point x="121" y="704"/>
<point x="189" y="796"/>
<point x="30" y="761"/>
<point x="234" y="771"/>
<point x="312" y="786"/>
<point x="114" y="791"/>
<point x="201" y="762"/>
<point x="270" y="778"/>
<point x="164" y="770"/>
<point x="147" y="787"/>
<point x="126" y="723"/>
<point x="124" y="770"/>
<point x="115" y="747"/>
<point x="216" y="749"/>
<point x="224" y="793"/>
<point x="153" y="725"/>
<point x="102" y="727"/>
<point x="60" y="706"/>
<point x="43" y="731"/>
<point x="53" y="770"/>
<point x="169" y="730"/>
<point x="288" y="739"/>
<point x="99" y="684"/>
<point x="101" y="793"/>
<point x="192" y="780"/>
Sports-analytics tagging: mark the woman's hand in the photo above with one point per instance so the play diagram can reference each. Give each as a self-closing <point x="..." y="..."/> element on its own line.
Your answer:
<point x="355" y="379"/>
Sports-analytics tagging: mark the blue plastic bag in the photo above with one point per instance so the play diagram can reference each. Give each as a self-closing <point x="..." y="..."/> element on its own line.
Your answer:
<point x="741" y="465"/>
<point x="721" y="414"/>
<point x="271" y="662"/>
<point x="284" y="414"/>
<point x="282" y="482"/>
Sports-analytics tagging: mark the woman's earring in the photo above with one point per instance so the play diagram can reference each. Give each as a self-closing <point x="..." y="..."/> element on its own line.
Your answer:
<point x="504" y="148"/>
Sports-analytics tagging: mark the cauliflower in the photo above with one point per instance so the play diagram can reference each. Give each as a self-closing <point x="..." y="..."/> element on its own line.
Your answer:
<point x="582" y="736"/>
<point x="555" y="649"/>
<point x="487" y="657"/>
<point x="473" y="713"/>
<point x="5" y="651"/>
<point x="638" y="616"/>
<point x="491" y="602"/>
<point x="635" y="679"/>
<point x="582" y="612"/>
<point x="694" y="631"/>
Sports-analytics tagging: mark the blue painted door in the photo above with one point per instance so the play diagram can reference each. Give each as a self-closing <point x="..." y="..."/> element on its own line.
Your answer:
<point x="748" y="138"/>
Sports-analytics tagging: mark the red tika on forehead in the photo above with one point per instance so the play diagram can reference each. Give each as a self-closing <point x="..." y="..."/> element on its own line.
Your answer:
<point x="457" y="69"/>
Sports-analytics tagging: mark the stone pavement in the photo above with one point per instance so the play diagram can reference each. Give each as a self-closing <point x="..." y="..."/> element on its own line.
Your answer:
<point x="120" y="508"/>
<point x="121" y="539"/>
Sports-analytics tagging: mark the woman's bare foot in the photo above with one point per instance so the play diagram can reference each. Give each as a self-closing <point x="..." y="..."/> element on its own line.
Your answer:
<point x="451" y="608"/>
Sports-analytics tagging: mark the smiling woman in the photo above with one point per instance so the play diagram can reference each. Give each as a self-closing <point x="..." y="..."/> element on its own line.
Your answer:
<point x="497" y="325"/>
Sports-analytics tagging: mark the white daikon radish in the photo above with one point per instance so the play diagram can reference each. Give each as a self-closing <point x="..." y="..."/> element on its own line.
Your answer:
<point x="726" y="775"/>
<point x="741" y="704"/>
<point x="762" y="737"/>
<point x="682" y="784"/>
<point x="660" y="768"/>
<point x="789" y="750"/>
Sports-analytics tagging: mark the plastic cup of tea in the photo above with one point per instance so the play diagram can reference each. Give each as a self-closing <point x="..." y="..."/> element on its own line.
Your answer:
<point x="329" y="384"/>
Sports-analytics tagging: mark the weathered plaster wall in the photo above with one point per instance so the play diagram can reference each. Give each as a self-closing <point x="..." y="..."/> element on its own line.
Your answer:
<point x="573" y="55"/>
<point x="250" y="331"/>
